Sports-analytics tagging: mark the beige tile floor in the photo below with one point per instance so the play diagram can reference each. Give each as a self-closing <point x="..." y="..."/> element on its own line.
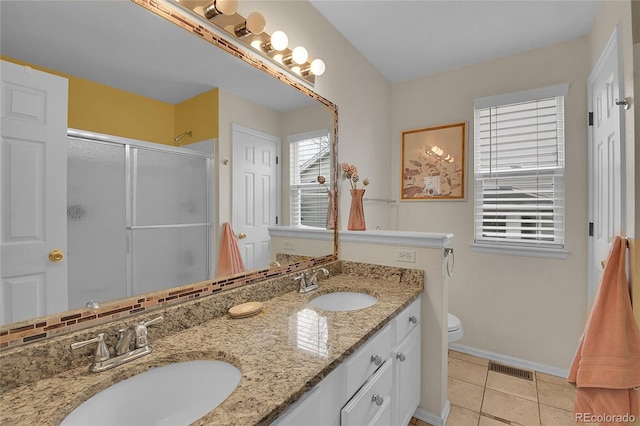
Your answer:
<point x="480" y="397"/>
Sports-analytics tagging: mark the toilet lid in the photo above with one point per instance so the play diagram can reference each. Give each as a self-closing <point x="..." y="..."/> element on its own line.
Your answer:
<point x="453" y="323"/>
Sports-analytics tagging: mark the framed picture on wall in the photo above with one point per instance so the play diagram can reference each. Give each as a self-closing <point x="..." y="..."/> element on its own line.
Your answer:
<point x="433" y="163"/>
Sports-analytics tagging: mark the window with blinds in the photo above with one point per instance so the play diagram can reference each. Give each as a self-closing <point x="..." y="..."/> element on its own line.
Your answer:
<point x="310" y="157"/>
<point x="519" y="169"/>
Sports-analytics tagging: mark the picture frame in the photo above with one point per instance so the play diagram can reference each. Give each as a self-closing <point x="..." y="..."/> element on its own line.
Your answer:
<point x="433" y="163"/>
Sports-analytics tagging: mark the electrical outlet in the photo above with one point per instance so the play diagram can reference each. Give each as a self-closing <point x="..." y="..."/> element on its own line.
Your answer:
<point x="404" y="255"/>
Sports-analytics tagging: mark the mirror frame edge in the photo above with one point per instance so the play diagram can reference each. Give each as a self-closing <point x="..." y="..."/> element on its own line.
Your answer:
<point x="40" y="329"/>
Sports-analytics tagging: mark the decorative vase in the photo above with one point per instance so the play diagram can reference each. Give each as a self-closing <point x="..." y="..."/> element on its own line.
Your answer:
<point x="356" y="214"/>
<point x="331" y="210"/>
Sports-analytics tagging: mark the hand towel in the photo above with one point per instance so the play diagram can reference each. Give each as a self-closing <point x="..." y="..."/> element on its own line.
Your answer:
<point x="606" y="366"/>
<point x="229" y="260"/>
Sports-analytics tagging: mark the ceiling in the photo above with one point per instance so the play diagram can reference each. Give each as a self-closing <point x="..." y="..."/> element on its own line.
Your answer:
<point x="406" y="39"/>
<point x="402" y="39"/>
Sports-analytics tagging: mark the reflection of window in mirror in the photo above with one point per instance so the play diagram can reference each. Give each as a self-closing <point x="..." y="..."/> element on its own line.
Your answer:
<point x="310" y="157"/>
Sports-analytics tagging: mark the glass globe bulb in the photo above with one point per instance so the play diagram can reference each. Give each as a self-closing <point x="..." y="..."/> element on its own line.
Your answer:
<point x="299" y="55"/>
<point x="217" y="7"/>
<point x="279" y="40"/>
<point x="317" y="67"/>
<point x="227" y="7"/>
<point x="255" y="22"/>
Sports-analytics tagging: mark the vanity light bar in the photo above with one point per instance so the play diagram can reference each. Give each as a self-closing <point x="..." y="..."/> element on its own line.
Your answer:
<point x="250" y="31"/>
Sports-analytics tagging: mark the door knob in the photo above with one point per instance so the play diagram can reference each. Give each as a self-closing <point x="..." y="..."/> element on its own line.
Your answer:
<point x="56" y="255"/>
<point x="242" y="236"/>
<point x="603" y="263"/>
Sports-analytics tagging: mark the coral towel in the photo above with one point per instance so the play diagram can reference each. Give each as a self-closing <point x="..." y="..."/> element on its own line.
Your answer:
<point x="230" y="260"/>
<point x="606" y="366"/>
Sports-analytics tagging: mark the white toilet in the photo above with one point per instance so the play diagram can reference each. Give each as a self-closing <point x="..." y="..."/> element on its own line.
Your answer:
<point x="455" y="328"/>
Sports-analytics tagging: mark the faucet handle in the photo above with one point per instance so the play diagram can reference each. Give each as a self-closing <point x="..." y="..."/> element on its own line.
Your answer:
<point x="153" y="321"/>
<point x="141" y="332"/>
<point x="102" y="351"/>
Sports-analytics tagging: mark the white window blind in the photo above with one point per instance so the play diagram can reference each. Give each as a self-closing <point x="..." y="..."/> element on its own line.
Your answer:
<point x="310" y="157"/>
<point x="519" y="169"/>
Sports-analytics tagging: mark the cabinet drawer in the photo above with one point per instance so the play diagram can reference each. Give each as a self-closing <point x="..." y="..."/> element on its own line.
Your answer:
<point x="362" y="364"/>
<point x="371" y="404"/>
<point x="407" y="320"/>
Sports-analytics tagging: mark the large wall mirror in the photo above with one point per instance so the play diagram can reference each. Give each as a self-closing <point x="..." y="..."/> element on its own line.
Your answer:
<point x="164" y="127"/>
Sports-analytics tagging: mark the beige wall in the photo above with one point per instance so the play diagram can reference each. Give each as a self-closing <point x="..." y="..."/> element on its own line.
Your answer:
<point x="434" y="315"/>
<point x="362" y="94"/>
<point x="523" y="307"/>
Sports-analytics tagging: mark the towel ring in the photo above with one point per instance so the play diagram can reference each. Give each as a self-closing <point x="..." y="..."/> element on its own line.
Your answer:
<point x="449" y="251"/>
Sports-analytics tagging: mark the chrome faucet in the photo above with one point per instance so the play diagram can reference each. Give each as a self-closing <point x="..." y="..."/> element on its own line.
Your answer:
<point x="309" y="280"/>
<point x="132" y="344"/>
<point x="134" y="337"/>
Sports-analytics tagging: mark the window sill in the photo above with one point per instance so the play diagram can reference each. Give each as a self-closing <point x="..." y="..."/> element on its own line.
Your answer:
<point x="549" y="253"/>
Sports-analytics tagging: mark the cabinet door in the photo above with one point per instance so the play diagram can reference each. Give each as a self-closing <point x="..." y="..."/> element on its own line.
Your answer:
<point x="407" y="320"/>
<point x="320" y="406"/>
<point x="407" y="377"/>
<point x="307" y="411"/>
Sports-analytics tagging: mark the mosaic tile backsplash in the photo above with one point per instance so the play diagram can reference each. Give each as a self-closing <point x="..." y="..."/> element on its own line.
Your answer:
<point x="54" y="325"/>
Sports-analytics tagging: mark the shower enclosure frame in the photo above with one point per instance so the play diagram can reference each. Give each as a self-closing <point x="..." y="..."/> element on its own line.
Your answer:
<point x="130" y="147"/>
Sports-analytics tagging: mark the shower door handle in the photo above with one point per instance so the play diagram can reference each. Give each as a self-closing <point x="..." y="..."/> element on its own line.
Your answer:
<point x="56" y="255"/>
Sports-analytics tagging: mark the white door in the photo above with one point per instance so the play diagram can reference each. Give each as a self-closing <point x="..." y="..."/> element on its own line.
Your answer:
<point x="33" y="206"/>
<point x="255" y="193"/>
<point x="606" y="165"/>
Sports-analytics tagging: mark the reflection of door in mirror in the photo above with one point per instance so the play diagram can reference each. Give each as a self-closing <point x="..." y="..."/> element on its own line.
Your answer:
<point x="34" y="128"/>
<point x="255" y="193"/>
<point x="148" y="205"/>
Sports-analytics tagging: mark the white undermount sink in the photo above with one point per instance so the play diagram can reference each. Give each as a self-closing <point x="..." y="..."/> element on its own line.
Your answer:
<point x="344" y="301"/>
<point x="174" y="394"/>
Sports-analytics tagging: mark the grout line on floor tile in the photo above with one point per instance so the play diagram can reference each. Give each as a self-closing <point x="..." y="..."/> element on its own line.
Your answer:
<point x="496" y="418"/>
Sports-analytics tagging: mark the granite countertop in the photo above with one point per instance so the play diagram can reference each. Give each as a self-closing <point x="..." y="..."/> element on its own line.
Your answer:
<point x="275" y="370"/>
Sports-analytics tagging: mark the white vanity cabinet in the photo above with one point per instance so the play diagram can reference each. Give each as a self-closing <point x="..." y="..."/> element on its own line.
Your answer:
<point x="377" y="385"/>
<point x="320" y="406"/>
<point x="407" y="358"/>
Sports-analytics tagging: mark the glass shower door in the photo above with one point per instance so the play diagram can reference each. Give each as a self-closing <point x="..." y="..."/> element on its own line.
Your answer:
<point x="95" y="213"/>
<point x="170" y="223"/>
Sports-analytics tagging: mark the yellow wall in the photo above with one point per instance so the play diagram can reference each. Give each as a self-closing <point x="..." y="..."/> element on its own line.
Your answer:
<point x="99" y="108"/>
<point x="104" y="109"/>
<point x="198" y="115"/>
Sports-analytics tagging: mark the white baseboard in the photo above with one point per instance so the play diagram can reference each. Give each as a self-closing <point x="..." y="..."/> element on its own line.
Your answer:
<point x="516" y="362"/>
<point x="431" y="418"/>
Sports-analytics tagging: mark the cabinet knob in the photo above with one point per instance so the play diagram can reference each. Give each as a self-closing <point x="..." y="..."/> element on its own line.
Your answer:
<point x="401" y="356"/>
<point x="378" y="399"/>
<point x="377" y="360"/>
<point x="413" y="319"/>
